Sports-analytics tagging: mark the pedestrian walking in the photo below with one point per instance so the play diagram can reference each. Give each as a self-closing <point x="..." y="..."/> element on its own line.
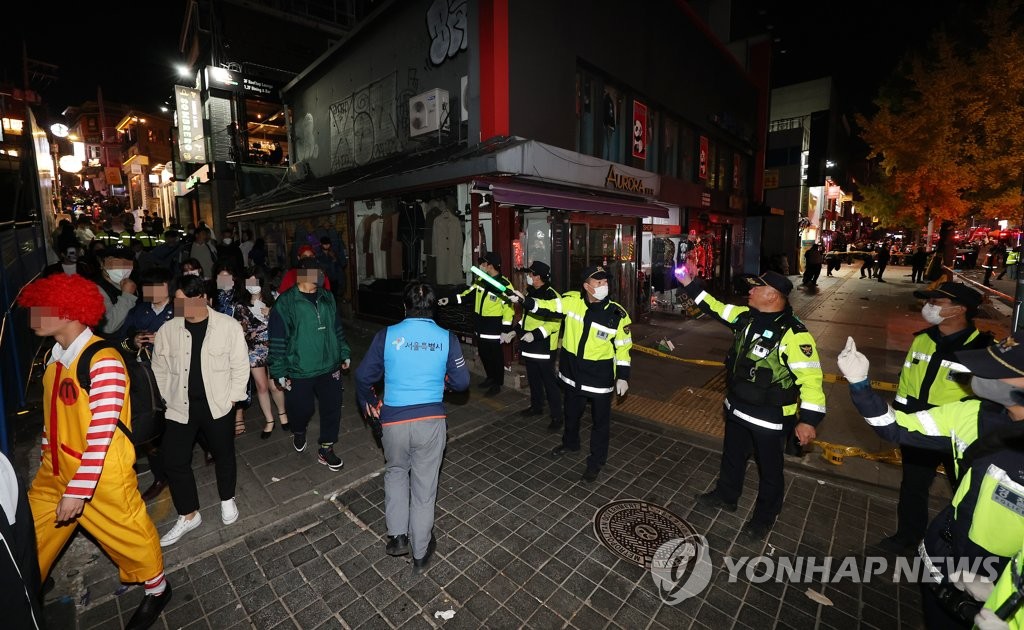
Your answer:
<point x="812" y="265"/>
<point x="492" y="322"/>
<point x="538" y="336"/>
<point x="86" y="476"/>
<point x="201" y="367"/>
<point x="118" y="290"/>
<point x="918" y="263"/>
<point x="253" y="313"/>
<point x="308" y="351"/>
<point x="882" y="261"/>
<point x="994" y="258"/>
<point x="1010" y="263"/>
<point x="774" y="390"/>
<point x="867" y="268"/>
<point x="594" y="364"/>
<point x="418" y="360"/>
<point x="982" y="527"/>
<point x="931" y="376"/>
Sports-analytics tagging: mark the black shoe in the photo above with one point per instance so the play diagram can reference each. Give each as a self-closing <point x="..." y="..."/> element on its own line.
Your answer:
<point x="530" y="411"/>
<point x="485" y="384"/>
<point x="562" y="450"/>
<point x="149" y="610"/>
<point x="755" y="531"/>
<point x="419" y="565"/>
<point x="299" y="442"/>
<point x="493" y="391"/>
<point x="327" y="457"/>
<point x="154" y="490"/>
<point x="714" y="500"/>
<point x="397" y="545"/>
<point x="590" y="474"/>
<point x="555" y="425"/>
<point x="265" y="435"/>
<point x="880" y="280"/>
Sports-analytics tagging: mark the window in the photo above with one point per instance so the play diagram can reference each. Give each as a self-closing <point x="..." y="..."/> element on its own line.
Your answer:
<point x="613" y="116"/>
<point x="653" y="141"/>
<point x="90" y="123"/>
<point x="712" y="181"/>
<point x="722" y="181"/>
<point x="669" y="147"/>
<point x="13" y="126"/>
<point x="584" y="113"/>
<point x="687" y="151"/>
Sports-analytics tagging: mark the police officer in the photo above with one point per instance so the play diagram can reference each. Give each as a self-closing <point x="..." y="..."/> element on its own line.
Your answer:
<point x="1004" y="608"/>
<point x="493" y="322"/>
<point x="984" y="524"/>
<point x="773" y="366"/>
<point x="418" y="360"/>
<point x="594" y="361"/>
<point x="930" y="377"/>
<point x="538" y="336"/>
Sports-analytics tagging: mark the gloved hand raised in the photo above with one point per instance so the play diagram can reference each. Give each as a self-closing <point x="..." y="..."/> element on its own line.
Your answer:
<point x="527" y="337"/>
<point x="621" y="387"/>
<point x="853" y="364"/>
<point x="515" y="296"/>
<point x="442" y="302"/>
<point x="508" y="337"/>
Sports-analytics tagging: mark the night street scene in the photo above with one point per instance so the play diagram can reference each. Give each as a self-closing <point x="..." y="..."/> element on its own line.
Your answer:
<point x="638" y="314"/>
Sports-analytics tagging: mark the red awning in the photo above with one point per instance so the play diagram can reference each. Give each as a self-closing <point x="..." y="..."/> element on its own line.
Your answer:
<point x="576" y="201"/>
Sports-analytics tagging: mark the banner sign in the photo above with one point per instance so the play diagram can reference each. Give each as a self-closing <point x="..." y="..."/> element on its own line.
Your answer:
<point x="639" y="130"/>
<point x="191" y="144"/>
<point x="702" y="169"/>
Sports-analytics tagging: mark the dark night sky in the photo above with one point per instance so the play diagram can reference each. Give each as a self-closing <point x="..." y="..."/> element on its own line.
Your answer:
<point x="858" y="43"/>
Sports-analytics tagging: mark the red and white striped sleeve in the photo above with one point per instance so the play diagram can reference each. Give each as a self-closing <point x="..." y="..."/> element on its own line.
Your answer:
<point x="106" y="399"/>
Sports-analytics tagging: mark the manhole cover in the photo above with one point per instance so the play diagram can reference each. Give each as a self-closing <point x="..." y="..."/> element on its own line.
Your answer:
<point x="635" y="529"/>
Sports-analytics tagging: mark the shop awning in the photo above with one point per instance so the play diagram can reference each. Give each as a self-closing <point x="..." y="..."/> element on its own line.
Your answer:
<point x="527" y="195"/>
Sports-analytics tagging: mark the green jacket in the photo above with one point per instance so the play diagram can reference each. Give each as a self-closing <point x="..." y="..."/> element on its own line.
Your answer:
<point x="305" y="340"/>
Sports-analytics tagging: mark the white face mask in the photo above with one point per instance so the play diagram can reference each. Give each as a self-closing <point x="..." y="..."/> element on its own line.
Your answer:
<point x="226" y="241"/>
<point x="932" y="313"/>
<point x="254" y="290"/>
<point x="529" y="280"/>
<point x="601" y="292"/>
<point x="117" y="275"/>
<point x="191" y="272"/>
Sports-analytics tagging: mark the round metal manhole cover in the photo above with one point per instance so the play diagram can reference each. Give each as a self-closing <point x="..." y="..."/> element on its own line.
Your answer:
<point x="634" y="530"/>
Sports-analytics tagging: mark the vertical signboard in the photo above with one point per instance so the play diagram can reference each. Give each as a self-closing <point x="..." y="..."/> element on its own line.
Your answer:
<point x="639" y="130"/>
<point x="735" y="171"/>
<point x="191" y="144"/>
<point x="702" y="169"/>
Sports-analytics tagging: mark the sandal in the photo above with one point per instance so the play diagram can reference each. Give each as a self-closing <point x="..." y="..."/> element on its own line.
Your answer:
<point x="284" y="424"/>
<point x="268" y="428"/>
<point x="239" y="425"/>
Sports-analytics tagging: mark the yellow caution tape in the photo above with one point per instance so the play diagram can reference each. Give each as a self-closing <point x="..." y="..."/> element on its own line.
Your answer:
<point x="836" y="453"/>
<point x="828" y="378"/>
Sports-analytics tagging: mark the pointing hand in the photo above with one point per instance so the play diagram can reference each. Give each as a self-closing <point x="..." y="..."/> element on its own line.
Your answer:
<point x="852" y="363"/>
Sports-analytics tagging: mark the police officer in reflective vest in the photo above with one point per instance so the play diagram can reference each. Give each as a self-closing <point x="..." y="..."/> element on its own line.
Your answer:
<point x="538" y="336"/>
<point x="969" y="542"/>
<point x="772" y="371"/>
<point x="493" y="323"/>
<point x="930" y="377"/>
<point x="594" y="362"/>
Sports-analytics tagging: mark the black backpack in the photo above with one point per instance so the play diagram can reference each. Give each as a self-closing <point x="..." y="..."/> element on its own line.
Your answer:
<point x="147" y="405"/>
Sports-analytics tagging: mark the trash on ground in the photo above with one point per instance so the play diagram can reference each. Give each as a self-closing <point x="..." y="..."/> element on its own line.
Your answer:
<point x="814" y="595"/>
<point x="444" y="614"/>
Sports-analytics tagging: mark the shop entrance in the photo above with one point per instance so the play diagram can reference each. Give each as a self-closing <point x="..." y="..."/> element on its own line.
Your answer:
<point x="600" y="241"/>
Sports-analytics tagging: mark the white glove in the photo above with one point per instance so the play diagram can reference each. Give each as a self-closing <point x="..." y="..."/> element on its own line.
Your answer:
<point x="346" y="363"/>
<point x="442" y="302"/>
<point x="986" y="620"/>
<point x="527" y="337"/>
<point x="853" y="364"/>
<point x="515" y="297"/>
<point x="621" y="387"/>
<point x="508" y="337"/>
<point x="285" y="383"/>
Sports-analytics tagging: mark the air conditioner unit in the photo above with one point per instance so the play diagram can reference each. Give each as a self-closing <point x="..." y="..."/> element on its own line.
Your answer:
<point x="428" y="112"/>
<point x="464" y="99"/>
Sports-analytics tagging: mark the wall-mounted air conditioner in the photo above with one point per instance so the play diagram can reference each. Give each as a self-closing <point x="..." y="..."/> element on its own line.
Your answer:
<point x="464" y="99"/>
<point x="428" y="112"/>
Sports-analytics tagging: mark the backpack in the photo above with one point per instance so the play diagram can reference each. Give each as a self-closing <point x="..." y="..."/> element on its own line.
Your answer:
<point x="147" y="405"/>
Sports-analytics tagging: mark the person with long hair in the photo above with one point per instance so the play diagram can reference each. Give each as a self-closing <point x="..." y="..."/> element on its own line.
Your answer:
<point x="253" y="313"/>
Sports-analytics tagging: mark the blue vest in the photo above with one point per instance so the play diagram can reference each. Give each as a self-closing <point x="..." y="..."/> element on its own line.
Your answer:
<point x="415" y="363"/>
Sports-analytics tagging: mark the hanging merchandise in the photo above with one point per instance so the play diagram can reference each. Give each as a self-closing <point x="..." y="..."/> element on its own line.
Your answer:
<point x="447" y="247"/>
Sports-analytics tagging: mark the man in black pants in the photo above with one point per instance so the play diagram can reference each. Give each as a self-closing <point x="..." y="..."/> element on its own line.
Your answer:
<point x="201" y="365"/>
<point x="539" y="344"/>
<point x="883" y="261"/>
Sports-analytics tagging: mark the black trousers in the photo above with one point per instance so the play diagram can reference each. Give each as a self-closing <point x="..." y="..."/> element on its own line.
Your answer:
<point x="880" y="270"/>
<point x="601" y="410"/>
<point x="321" y="393"/>
<point x="177" y="458"/>
<point x="742" y="439"/>
<point x="492" y="359"/>
<point x="811" y="274"/>
<point x="868" y="266"/>
<point x="540" y="373"/>
<point x="918" y="473"/>
<point x="917" y="274"/>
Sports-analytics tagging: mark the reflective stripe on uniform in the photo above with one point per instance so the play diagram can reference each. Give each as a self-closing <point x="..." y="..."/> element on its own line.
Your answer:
<point x="700" y="298"/>
<point x="927" y="422"/>
<point x="622" y="342"/>
<point x="953" y="366"/>
<point x="883" y="420"/>
<point x="586" y="388"/>
<point x="727" y="311"/>
<point x="920" y="356"/>
<point x="530" y="355"/>
<point x="483" y="336"/>
<point x="751" y="419"/>
<point x="901" y="400"/>
<point x="625" y="363"/>
<point x="605" y="329"/>
<point x="805" y="364"/>
<point x="811" y="406"/>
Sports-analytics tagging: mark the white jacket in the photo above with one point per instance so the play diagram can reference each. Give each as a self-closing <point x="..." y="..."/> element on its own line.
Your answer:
<point x="224" y="362"/>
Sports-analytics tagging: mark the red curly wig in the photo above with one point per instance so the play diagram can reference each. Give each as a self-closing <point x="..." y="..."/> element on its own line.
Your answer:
<point x="71" y="297"/>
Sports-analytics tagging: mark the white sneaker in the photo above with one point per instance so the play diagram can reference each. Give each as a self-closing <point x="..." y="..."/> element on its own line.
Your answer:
<point x="182" y="527"/>
<point x="228" y="511"/>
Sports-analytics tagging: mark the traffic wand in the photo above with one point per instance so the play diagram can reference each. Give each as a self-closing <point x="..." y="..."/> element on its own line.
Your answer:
<point x="487" y="277"/>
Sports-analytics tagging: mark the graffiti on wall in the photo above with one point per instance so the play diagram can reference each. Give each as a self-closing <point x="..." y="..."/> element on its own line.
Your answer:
<point x="363" y="125"/>
<point x="447" y="26"/>
<point x="305" y="139"/>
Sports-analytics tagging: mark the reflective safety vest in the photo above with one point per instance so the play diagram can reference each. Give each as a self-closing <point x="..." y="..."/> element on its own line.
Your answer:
<point x="1012" y="257"/>
<point x="494" y="311"/>
<point x="544" y="326"/>
<point x="113" y="239"/>
<point x="595" y="341"/>
<point x="1006" y="588"/>
<point x="773" y="368"/>
<point x="931" y="375"/>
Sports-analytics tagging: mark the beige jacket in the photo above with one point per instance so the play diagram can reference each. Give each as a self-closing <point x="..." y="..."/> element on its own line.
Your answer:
<point x="224" y="361"/>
